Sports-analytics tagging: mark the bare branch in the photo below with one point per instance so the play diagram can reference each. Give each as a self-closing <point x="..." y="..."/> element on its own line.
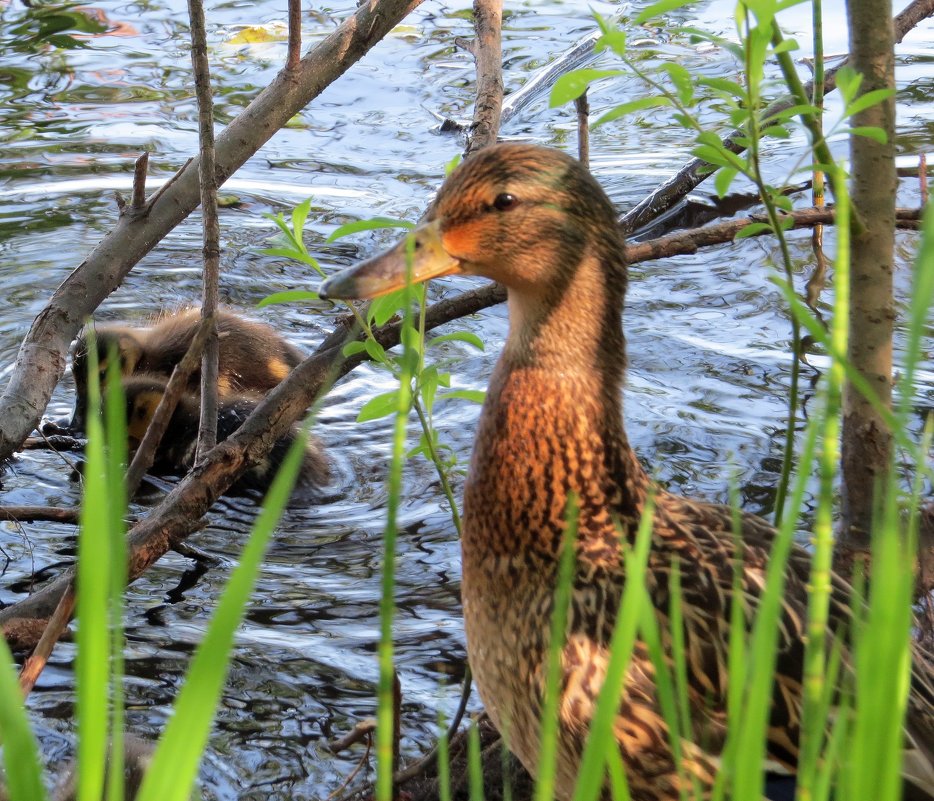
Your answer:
<point x="583" y="129"/>
<point x="51" y="514"/>
<point x="139" y="182"/>
<point x="295" y="35"/>
<point x="207" y="175"/>
<point x="488" y="53"/>
<point x="32" y="667"/>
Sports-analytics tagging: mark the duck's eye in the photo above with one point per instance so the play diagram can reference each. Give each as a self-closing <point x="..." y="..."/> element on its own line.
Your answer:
<point x="505" y="201"/>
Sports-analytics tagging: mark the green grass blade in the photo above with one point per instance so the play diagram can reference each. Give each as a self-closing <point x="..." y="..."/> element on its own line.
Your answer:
<point x="175" y="763"/>
<point x="93" y="595"/>
<point x="20" y="750"/>
<point x="115" y="425"/>
<point x="474" y="764"/>
<point x="742" y="775"/>
<point x="444" y="763"/>
<point x="548" y="750"/>
<point x="385" y="706"/>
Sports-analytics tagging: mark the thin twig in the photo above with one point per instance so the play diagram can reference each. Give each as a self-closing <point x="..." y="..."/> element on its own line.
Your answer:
<point x="357" y="768"/>
<point x="52" y="442"/>
<point x="295" y="35"/>
<point x="360" y="731"/>
<point x="583" y="129"/>
<point x="139" y="182"/>
<point x="32" y="667"/>
<point x="51" y="514"/>
<point x="207" y="175"/>
<point x="488" y="54"/>
<point x="427" y="762"/>
<point x="168" y="184"/>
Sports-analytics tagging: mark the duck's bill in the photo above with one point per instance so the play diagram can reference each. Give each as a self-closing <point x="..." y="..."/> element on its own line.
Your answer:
<point x="418" y="257"/>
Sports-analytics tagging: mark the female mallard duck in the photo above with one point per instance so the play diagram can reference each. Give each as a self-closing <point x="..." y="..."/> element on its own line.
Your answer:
<point x="536" y="221"/>
<point x="251" y="356"/>
<point x="176" y="452"/>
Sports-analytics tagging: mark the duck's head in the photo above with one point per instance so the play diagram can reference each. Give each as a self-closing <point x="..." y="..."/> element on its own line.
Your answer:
<point x="122" y="344"/>
<point x="142" y="394"/>
<point x="523" y="215"/>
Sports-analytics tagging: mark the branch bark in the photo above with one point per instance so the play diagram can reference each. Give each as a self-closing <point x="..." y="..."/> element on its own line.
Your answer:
<point x="488" y="54"/>
<point x="41" y="358"/>
<point x="866" y="440"/>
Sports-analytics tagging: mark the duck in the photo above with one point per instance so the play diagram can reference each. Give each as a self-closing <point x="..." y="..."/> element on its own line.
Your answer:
<point x="552" y="427"/>
<point x="176" y="452"/>
<point x="252" y="356"/>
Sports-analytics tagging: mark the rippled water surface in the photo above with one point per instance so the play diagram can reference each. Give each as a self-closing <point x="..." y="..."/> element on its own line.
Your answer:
<point x="708" y="343"/>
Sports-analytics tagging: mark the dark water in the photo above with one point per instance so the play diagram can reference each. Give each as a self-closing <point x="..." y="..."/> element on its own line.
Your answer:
<point x="708" y="344"/>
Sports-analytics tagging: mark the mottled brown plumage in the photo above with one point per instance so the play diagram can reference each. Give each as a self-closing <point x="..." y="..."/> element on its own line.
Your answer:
<point x="252" y="357"/>
<point x="552" y="425"/>
<point x="175" y="454"/>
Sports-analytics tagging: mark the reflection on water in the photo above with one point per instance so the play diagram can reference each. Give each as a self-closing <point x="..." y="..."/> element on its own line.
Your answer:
<point x="708" y="343"/>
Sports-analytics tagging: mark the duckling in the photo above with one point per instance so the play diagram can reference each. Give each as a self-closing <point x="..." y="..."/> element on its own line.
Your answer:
<point x="552" y="425"/>
<point x="252" y="356"/>
<point x="177" y="450"/>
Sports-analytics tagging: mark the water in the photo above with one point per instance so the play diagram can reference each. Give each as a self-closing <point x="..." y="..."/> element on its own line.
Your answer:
<point x="708" y="345"/>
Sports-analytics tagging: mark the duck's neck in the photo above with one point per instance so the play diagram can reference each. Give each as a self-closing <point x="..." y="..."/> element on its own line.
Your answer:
<point x="553" y="422"/>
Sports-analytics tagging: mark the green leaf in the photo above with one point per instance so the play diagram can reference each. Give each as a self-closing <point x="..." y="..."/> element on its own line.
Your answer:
<point x="786" y="46"/>
<point x="452" y="164"/>
<point x="726" y="87"/>
<point x="382" y="309"/>
<point x="752" y="229"/>
<point x="614" y="40"/>
<point x="288" y="296"/>
<point x="723" y="179"/>
<point x="684" y="120"/>
<point x="682" y="80"/>
<point x="380" y="406"/>
<point x="777" y="131"/>
<point x="372" y="224"/>
<point x="428" y="386"/>
<point x="572" y="85"/>
<point x="353" y="348"/>
<point x="374" y="350"/>
<point x="869" y="132"/>
<point x="848" y="82"/>
<point x="458" y="336"/>
<point x="633" y="105"/>
<point x="612" y="37"/>
<point x="864" y="101"/>
<point x="711" y="155"/>
<point x="797" y="110"/>
<point x="472" y="395"/>
<point x="299" y="216"/>
<point x="659" y="8"/>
